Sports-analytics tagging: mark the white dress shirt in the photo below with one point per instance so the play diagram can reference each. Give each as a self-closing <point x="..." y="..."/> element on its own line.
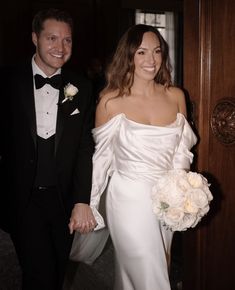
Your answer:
<point x="46" y="100"/>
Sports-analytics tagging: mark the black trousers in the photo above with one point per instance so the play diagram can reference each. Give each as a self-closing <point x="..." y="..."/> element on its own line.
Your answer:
<point x="43" y="242"/>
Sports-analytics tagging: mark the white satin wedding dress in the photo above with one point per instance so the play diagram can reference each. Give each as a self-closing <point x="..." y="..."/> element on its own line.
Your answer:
<point x="128" y="160"/>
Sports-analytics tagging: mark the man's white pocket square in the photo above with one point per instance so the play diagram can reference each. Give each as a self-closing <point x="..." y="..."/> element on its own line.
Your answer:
<point x="76" y="111"/>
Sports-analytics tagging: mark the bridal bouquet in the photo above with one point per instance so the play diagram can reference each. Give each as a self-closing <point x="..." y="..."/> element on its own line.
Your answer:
<point x="181" y="199"/>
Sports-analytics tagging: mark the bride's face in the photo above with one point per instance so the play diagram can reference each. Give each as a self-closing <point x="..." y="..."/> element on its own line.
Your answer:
<point x="148" y="57"/>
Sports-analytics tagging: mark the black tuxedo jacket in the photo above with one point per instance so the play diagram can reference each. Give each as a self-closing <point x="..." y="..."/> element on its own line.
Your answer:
<point x="73" y="142"/>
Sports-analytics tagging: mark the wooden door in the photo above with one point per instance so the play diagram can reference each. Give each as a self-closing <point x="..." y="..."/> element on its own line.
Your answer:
<point x="209" y="77"/>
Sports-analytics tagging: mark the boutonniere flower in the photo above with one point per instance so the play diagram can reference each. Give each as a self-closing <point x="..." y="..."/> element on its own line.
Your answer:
<point x="69" y="92"/>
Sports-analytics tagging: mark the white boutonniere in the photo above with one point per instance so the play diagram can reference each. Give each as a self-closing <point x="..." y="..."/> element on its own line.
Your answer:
<point x="69" y="92"/>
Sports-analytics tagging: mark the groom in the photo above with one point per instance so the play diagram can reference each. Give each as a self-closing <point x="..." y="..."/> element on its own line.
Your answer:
<point x="46" y="154"/>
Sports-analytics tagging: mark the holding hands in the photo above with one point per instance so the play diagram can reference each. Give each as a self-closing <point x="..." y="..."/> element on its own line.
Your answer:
<point x="82" y="219"/>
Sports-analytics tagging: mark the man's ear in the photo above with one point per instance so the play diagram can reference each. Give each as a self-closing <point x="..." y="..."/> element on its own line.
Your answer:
<point x="34" y="38"/>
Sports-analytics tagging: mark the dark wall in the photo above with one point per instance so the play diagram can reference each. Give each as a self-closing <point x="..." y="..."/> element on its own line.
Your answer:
<point x="98" y="26"/>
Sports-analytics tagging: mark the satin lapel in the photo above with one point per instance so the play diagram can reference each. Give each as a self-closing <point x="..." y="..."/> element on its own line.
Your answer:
<point x="60" y="121"/>
<point x="27" y="95"/>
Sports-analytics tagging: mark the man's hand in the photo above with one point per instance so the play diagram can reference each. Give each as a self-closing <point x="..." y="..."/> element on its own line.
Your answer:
<point x="82" y="219"/>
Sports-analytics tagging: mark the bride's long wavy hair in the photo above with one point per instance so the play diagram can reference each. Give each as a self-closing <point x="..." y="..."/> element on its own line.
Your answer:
<point x="120" y="72"/>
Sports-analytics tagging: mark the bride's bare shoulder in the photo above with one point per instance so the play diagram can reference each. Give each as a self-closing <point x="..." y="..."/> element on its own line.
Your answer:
<point x="104" y="109"/>
<point x="177" y="96"/>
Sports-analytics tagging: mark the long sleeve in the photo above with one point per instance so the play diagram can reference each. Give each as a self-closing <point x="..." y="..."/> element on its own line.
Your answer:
<point x="183" y="157"/>
<point x="87" y="248"/>
<point x="103" y="160"/>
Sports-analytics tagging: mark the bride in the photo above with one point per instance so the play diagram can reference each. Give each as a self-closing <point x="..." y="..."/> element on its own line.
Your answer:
<point x="141" y="132"/>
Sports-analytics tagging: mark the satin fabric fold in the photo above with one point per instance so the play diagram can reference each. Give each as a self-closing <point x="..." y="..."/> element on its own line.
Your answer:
<point x="129" y="159"/>
<point x="144" y="152"/>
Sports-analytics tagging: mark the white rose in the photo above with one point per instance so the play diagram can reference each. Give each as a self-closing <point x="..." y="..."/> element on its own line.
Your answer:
<point x="198" y="197"/>
<point x="70" y="91"/>
<point x="203" y="211"/>
<point x="195" y="179"/>
<point x="173" y="216"/>
<point x="183" y="184"/>
<point x="190" y="206"/>
<point x="207" y="192"/>
<point x="189" y="220"/>
<point x="196" y="221"/>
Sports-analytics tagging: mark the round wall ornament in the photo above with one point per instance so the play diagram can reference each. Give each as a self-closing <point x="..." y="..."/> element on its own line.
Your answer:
<point x="223" y="121"/>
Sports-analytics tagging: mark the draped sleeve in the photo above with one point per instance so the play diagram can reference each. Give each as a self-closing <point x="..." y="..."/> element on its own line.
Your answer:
<point x="87" y="248"/>
<point x="103" y="159"/>
<point x="183" y="157"/>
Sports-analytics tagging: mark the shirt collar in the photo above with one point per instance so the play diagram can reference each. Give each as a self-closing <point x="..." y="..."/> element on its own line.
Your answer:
<point x="37" y="70"/>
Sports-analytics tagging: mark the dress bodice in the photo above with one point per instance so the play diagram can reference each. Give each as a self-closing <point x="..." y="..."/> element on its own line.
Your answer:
<point x="146" y="150"/>
<point x="139" y="151"/>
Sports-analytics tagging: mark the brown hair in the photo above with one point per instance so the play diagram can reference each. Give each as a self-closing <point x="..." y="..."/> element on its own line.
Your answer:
<point x="120" y="72"/>
<point x="51" y="13"/>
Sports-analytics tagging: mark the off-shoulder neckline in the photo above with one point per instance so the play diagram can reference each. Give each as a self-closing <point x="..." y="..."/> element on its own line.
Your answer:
<point x="152" y="126"/>
<point x="123" y="115"/>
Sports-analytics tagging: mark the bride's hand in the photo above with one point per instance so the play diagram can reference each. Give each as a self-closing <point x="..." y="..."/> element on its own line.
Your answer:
<point x="82" y="219"/>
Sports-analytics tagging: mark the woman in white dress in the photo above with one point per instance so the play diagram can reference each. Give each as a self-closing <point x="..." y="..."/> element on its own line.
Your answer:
<point x="141" y="132"/>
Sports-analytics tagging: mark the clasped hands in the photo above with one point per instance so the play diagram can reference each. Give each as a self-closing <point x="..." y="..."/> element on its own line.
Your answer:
<point x="82" y="219"/>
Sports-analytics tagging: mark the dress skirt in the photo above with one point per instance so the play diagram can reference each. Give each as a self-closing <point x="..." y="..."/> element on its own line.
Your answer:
<point x="142" y="244"/>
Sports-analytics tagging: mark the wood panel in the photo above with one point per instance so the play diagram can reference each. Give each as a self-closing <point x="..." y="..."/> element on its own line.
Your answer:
<point x="210" y="43"/>
<point x="191" y="68"/>
<point x="221" y="161"/>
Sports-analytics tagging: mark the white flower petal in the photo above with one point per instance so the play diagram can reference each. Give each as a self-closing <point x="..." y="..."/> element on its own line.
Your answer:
<point x="181" y="199"/>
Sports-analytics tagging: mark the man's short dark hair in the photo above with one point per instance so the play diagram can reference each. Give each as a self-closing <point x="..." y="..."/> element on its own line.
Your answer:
<point x="52" y="13"/>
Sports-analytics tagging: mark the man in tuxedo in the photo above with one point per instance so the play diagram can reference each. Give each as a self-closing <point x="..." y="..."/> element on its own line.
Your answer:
<point x="46" y="154"/>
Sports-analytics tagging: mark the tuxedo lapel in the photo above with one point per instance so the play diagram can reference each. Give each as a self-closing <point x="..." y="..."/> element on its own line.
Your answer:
<point x="64" y="109"/>
<point x="60" y="121"/>
<point x="27" y="95"/>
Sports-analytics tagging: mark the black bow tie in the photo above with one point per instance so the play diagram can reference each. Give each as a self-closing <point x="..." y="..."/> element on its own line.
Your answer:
<point x="54" y="81"/>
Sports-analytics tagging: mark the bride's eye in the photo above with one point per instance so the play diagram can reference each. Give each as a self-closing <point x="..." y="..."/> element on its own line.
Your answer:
<point x="140" y="52"/>
<point x="158" y="50"/>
